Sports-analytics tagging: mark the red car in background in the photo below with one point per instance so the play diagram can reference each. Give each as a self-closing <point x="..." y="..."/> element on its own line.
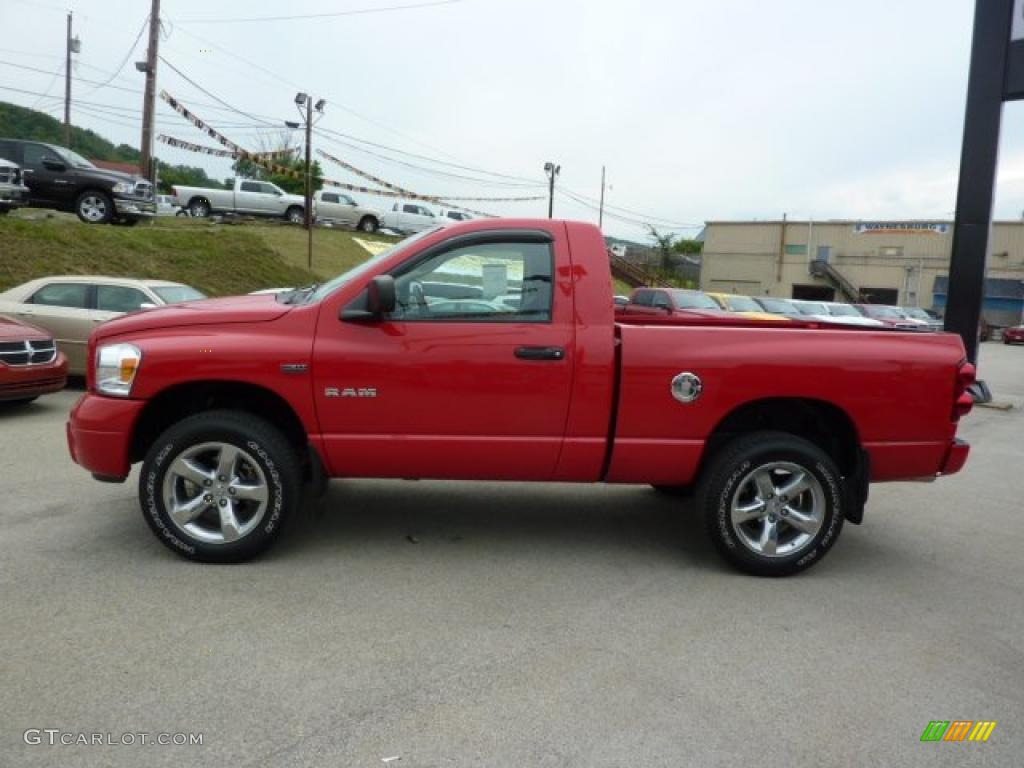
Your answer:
<point x="30" y="363"/>
<point x="1014" y="335"/>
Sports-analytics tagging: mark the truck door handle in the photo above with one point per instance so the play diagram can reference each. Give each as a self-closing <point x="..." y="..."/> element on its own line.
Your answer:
<point x="540" y="353"/>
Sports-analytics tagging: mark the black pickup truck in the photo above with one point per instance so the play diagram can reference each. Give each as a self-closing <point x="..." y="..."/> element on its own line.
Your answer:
<point x="64" y="180"/>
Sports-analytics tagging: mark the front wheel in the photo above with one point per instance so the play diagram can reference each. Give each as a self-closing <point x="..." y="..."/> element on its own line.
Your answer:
<point x="200" y="209"/>
<point x="218" y="486"/>
<point x="772" y="503"/>
<point x="296" y="215"/>
<point x="368" y="224"/>
<point x="94" y="207"/>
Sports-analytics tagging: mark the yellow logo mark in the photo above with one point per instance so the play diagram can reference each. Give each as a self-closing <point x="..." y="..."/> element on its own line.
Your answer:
<point x="982" y="730"/>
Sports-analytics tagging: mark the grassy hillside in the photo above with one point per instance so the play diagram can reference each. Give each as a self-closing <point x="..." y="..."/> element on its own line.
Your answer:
<point x="217" y="259"/>
<point x="23" y="123"/>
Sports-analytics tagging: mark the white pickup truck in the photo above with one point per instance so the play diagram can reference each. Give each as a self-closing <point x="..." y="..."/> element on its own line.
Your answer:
<point x="411" y="217"/>
<point x="256" y="198"/>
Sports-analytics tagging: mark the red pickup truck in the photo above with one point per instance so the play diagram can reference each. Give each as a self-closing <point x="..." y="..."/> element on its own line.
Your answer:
<point x="488" y="350"/>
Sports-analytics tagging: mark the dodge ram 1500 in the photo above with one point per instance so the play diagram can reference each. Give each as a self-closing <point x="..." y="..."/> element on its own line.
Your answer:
<point x="488" y="350"/>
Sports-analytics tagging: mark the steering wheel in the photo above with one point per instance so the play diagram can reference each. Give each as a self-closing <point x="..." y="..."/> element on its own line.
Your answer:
<point x="418" y="298"/>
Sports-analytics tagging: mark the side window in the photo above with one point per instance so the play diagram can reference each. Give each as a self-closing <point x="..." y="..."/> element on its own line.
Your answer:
<point x="34" y="154"/>
<point x="268" y="189"/>
<point x="327" y="197"/>
<point x="74" y="295"/>
<point x="661" y="301"/>
<point x="346" y="200"/>
<point x="250" y="186"/>
<point x="643" y="298"/>
<point x="411" y="208"/>
<point x="488" y="283"/>
<point x="120" y="298"/>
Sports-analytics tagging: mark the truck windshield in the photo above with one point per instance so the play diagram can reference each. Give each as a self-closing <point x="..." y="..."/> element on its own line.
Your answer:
<point x="324" y="290"/>
<point x="73" y="159"/>
<point x="693" y="300"/>
<point x="781" y="306"/>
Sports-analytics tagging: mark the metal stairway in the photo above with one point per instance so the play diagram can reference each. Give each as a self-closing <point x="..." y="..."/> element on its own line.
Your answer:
<point x="821" y="268"/>
<point x="634" y="275"/>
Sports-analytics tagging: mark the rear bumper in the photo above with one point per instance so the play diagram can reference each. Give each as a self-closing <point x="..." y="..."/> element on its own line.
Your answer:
<point x="956" y="457"/>
<point x="22" y="381"/>
<point x="99" y="433"/>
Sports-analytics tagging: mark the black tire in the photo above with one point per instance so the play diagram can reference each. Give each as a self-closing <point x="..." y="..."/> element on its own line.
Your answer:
<point x="199" y="208"/>
<point x="295" y="215"/>
<point x="368" y="224"/>
<point x="94" y="207"/>
<point x="677" y="491"/>
<point x="729" y="475"/>
<point x="262" y="446"/>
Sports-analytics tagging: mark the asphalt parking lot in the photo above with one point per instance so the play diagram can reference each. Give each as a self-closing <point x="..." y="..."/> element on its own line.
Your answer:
<point x="452" y="624"/>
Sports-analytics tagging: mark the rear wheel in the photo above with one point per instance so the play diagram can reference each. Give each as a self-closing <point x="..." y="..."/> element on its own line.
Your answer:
<point x="218" y="486"/>
<point x="368" y="224"/>
<point x="772" y="503"/>
<point x="94" y="207"/>
<point x="295" y="215"/>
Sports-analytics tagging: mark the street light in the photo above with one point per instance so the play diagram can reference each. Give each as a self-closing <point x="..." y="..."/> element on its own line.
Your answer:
<point x="552" y="171"/>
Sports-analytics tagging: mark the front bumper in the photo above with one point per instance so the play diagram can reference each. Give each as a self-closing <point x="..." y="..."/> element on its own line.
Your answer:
<point x="13" y="196"/>
<point x="100" y="431"/>
<point x="136" y="208"/>
<point x="18" y="382"/>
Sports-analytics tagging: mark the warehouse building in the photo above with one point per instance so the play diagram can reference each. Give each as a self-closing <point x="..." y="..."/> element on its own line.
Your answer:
<point x="883" y="262"/>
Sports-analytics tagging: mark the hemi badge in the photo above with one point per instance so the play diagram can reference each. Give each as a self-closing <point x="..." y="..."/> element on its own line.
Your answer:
<point x="294" y="367"/>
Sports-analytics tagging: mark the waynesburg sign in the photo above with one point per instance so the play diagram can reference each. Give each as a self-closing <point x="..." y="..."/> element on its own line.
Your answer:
<point x="902" y="228"/>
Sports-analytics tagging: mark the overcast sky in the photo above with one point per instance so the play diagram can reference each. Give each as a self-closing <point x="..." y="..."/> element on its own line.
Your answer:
<point x="700" y="110"/>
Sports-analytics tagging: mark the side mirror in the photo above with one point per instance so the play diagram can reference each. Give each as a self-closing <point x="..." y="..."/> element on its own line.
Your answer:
<point x="378" y="300"/>
<point x="380" y="295"/>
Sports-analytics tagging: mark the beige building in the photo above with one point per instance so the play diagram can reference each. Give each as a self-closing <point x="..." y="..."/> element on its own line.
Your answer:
<point x="890" y="262"/>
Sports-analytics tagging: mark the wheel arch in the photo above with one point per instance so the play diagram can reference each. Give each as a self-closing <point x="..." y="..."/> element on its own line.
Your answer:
<point x="182" y="400"/>
<point x="821" y="422"/>
<point x="199" y="199"/>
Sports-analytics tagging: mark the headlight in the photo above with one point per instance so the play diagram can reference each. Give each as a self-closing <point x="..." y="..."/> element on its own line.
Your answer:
<point x="123" y="188"/>
<point x="116" y="366"/>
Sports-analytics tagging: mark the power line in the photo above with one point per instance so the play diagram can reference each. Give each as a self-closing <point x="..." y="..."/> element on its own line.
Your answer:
<point x="592" y="203"/>
<point x="73" y="77"/>
<point x="213" y="95"/>
<point x="49" y="87"/>
<point x="125" y="59"/>
<point x="430" y="171"/>
<point x="356" y="12"/>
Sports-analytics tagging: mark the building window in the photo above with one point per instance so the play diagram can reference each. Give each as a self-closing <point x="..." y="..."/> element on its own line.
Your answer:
<point x="796" y="250"/>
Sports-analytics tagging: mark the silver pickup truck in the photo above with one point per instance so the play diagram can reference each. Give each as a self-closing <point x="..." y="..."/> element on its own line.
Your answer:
<point x="255" y="198"/>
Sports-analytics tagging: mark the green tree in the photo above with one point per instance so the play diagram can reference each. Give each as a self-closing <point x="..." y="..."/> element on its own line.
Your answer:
<point x="184" y="175"/>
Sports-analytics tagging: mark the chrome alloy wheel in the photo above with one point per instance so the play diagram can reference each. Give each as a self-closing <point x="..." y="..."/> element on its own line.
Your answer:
<point x="777" y="509"/>
<point x="215" y="492"/>
<point x="93" y="208"/>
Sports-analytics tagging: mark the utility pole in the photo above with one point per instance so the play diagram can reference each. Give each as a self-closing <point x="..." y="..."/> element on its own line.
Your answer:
<point x="309" y="184"/>
<point x="552" y="171"/>
<point x="304" y="100"/>
<point x="149" y="100"/>
<point x="600" y="210"/>
<point x="67" y="87"/>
